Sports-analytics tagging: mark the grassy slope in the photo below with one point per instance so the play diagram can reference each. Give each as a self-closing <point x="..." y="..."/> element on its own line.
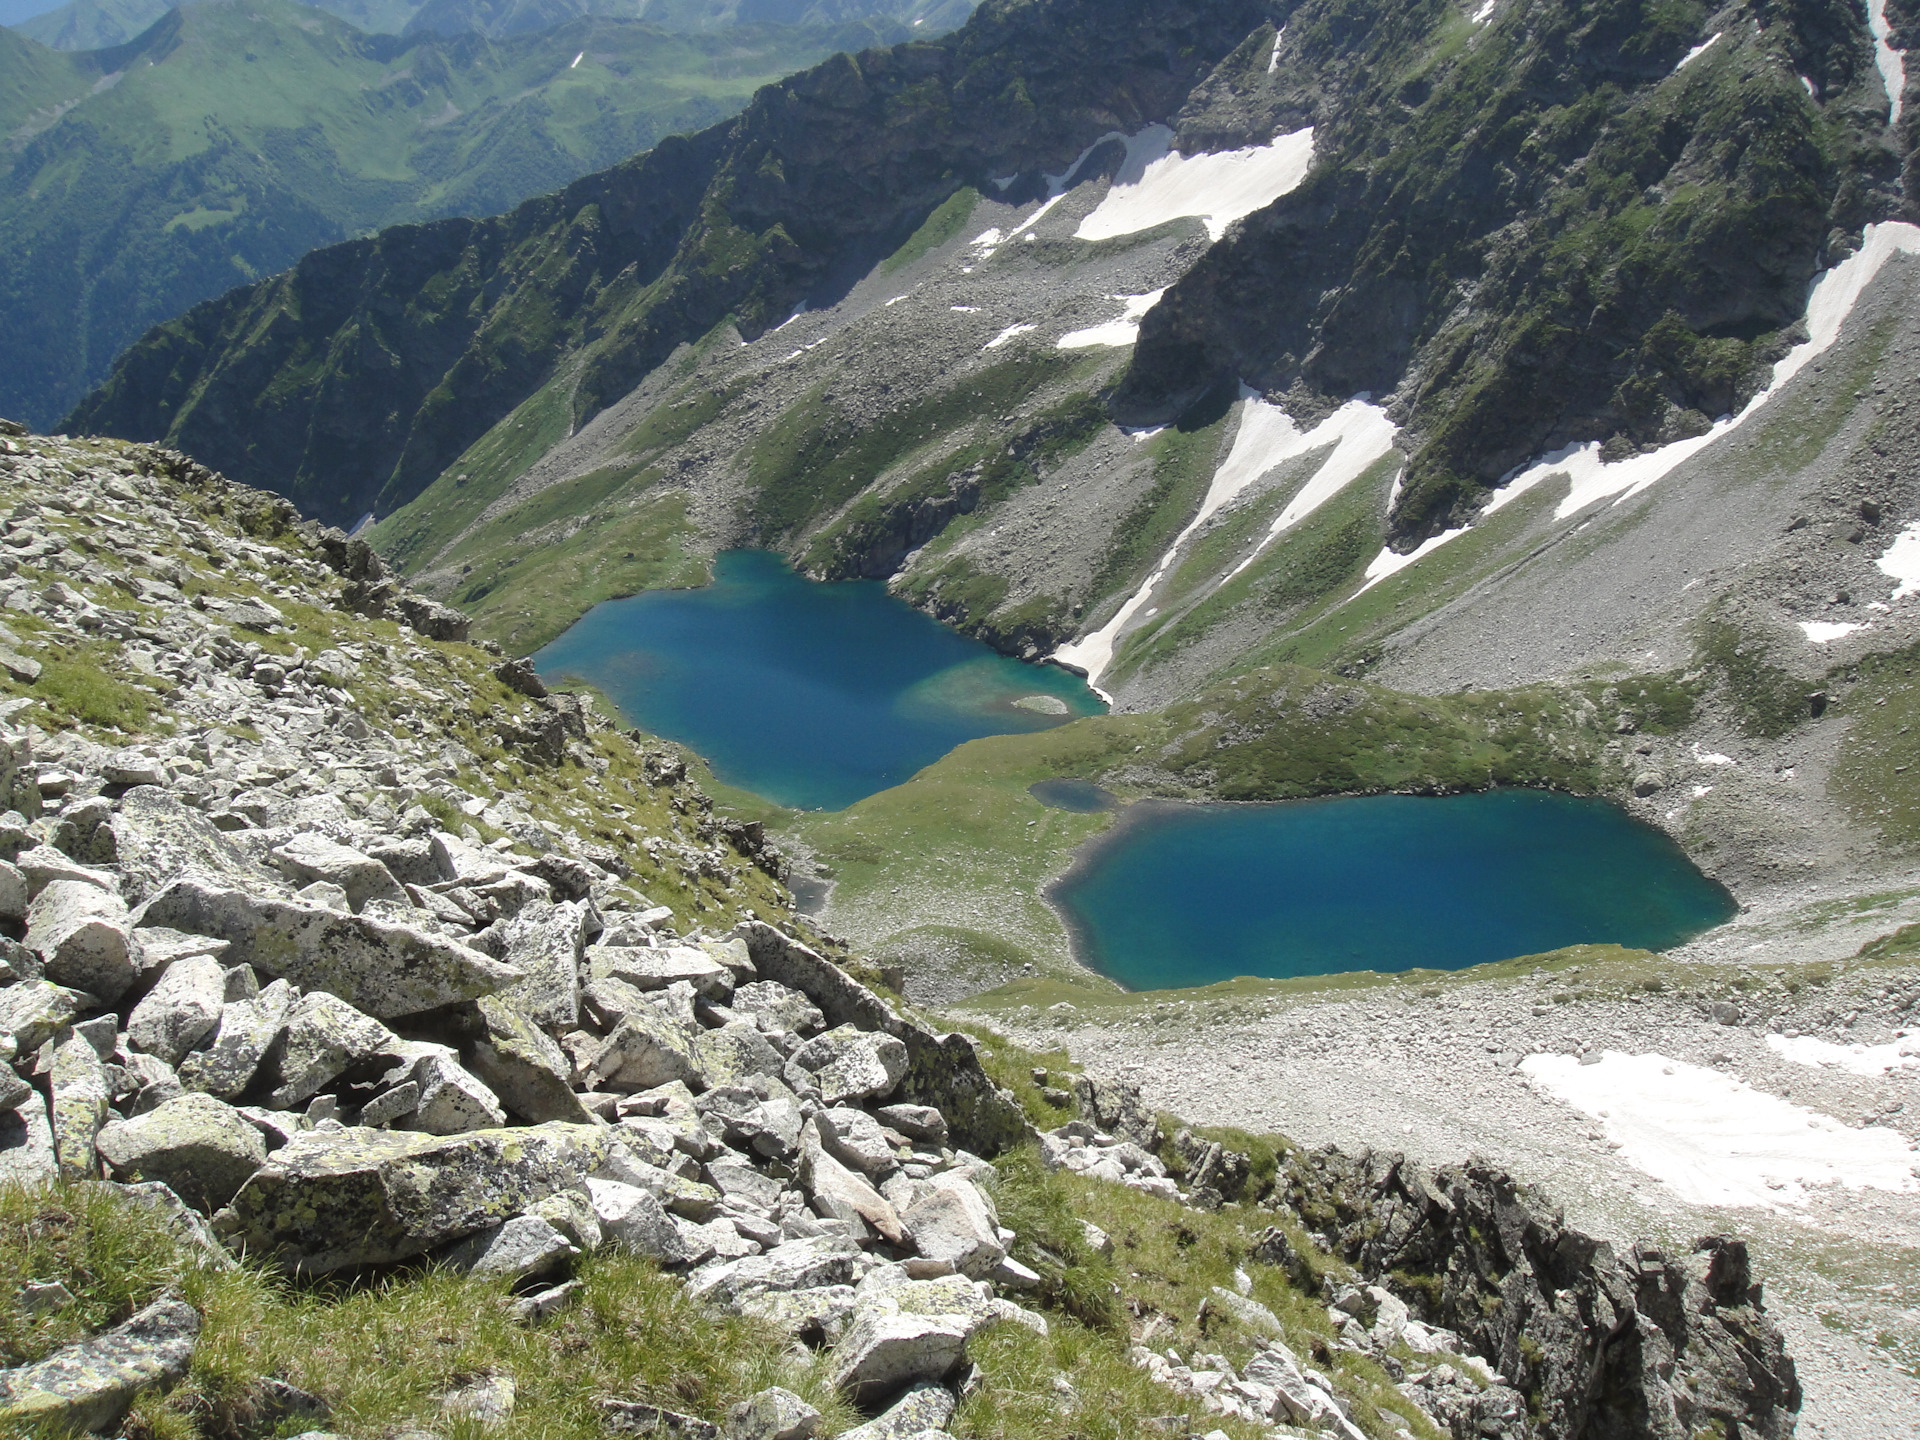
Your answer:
<point x="239" y="137"/>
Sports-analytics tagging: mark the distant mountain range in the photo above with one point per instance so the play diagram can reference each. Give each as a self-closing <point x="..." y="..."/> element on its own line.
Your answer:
<point x="100" y="24"/>
<point x="229" y="139"/>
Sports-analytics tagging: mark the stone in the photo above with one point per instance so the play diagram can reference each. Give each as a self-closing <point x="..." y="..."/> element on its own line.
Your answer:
<point x="646" y="1049"/>
<point x="1249" y="1313"/>
<point x="181" y="1010"/>
<point x="366" y="1197"/>
<point x="523" y="1066"/>
<point x="80" y="1093"/>
<point x="649" y="969"/>
<point x="310" y="857"/>
<point x="840" y="1194"/>
<point x="13" y="892"/>
<point x="197" y="1147"/>
<point x="925" y="1407"/>
<point x="470" y="865"/>
<point x="90" y="1386"/>
<point x="14" y="1092"/>
<point x="390" y="1105"/>
<point x="242" y="1036"/>
<point x="80" y="933"/>
<point x="383" y="969"/>
<point x="42" y="865"/>
<point x="734" y="1054"/>
<point x="773" y="1414"/>
<point x="570" y="1211"/>
<point x="953" y="1222"/>
<point x="688" y="1198"/>
<point x="818" y="1315"/>
<point x="323" y="1035"/>
<point x="808" y="1264"/>
<point x="635" y="1220"/>
<point x="488" y="1400"/>
<point x="848" y="1064"/>
<point x="452" y="1100"/>
<point x="916" y="1122"/>
<point x="157" y="837"/>
<point x="744" y="1185"/>
<point x="33" y="1011"/>
<point x="1115" y="1106"/>
<point x="518" y="1248"/>
<point x="634" y="1417"/>
<point x="26" y="1144"/>
<point x="545" y="942"/>
<point x="531" y="1308"/>
<point x="1101" y="1243"/>
<point x="882" y="1353"/>
<point x="855" y="1139"/>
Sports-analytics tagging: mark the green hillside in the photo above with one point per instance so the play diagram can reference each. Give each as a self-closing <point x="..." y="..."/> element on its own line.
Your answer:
<point x="230" y="139"/>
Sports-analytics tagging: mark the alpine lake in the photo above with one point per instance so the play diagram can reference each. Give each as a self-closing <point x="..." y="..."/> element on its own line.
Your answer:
<point x="818" y="695"/>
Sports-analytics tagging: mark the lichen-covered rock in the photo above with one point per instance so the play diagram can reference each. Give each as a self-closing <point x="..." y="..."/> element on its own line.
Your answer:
<point x="925" y="1408"/>
<point x="840" y="1194"/>
<point x="322" y="1036"/>
<point x="245" y="1032"/>
<point x="848" y="1064"/>
<point x="33" y="1011"/>
<point x="197" y="1147"/>
<point x="734" y="1054"/>
<point x="522" y="1065"/>
<point x="89" y="1387"/>
<point x="325" y="1202"/>
<point x="646" y="1049"/>
<point x="383" y="969"/>
<point x="158" y="837"/>
<point x="310" y="856"/>
<point x="26" y="1143"/>
<point x="1115" y="1106"/>
<point x="953" y="1223"/>
<point x="79" y="931"/>
<point x="515" y="1249"/>
<point x="797" y="1265"/>
<point x="181" y="1010"/>
<point x="544" y="941"/>
<point x="79" y="1092"/>
<point x="636" y="1221"/>
<point x="648" y="969"/>
<point x="882" y="1353"/>
<point x="773" y="1414"/>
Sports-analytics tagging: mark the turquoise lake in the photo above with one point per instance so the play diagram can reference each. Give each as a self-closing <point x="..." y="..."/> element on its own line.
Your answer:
<point x="811" y="695"/>
<point x="1185" y="895"/>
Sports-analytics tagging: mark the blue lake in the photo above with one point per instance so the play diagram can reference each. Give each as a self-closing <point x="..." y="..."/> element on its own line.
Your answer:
<point x="1185" y="895"/>
<point x="814" y="696"/>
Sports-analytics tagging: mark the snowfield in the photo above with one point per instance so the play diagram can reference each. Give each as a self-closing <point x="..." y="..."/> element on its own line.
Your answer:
<point x="1157" y="184"/>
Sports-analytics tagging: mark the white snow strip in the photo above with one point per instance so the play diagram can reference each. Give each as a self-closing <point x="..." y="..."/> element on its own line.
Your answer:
<point x="1714" y="1140"/>
<point x="1700" y="792"/>
<point x="1830" y="301"/>
<point x="1900" y="1053"/>
<point x="986" y="239"/>
<point x="1902" y="561"/>
<point x="965" y="309"/>
<point x="1273" y="60"/>
<point x="1711" y="757"/>
<point x="1388" y="562"/>
<point x="1821" y="631"/>
<point x="1156" y="184"/>
<point x="1697" y="51"/>
<point x="1485" y="12"/>
<point x="1359" y="432"/>
<point x="1892" y="62"/>
<point x="1007" y="334"/>
<point x="577" y="59"/>
<point x="895" y="300"/>
<point x="1809" y="84"/>
<point x="1121" y="332"/>
<point x="798" y="311"/>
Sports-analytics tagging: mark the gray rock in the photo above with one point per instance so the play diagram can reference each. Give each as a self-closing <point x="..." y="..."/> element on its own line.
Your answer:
<point x="26" y="1144"/>
<point x="488" y="1400"/>
<point x="80" y="1092"/>
<point x="817" y="1315"/>
<point x="681" y="1196"/>
<point x="13" y="892"/>
<point x="570" y="1211"/>
<point x="157" y="837"/>
<point x="181" y="1010"/>
<point x="925" y="1407"/>
<point x="310" y="857"/>
<point x="854" y="1138"/>
<point x="916" y="1122"/>
<point x="452" y="1100"/>
<point x="649" y="969"/>
<point x="244" y="1033"/>
<point x="42" y="865"/>
<point x="363" y="1197"/>
<point x="385" y="970"/>
<point x="545" y="941"/>
<point x="773" y="1414"/>
<point x="14" y="1091"/>
<point x="634" y="1417"/>
<point x="743" y="1184"/>
<point x="1115" y="1106"/>
<point x="952" y="1222"/>
<point x="390" y="1105"/>
<point x="197" y="1147"/>
<point x="774" y="1006"/>
<point x="734" y="1054"/>
<point x="80" y="933"/>
<point x="523" y="1066"/>
<point x="840" y="1194"/>
<point x="645" y="1050"/>
<point x="517" y="1248"/>
<point x="33" y="1011"/>
<point x="848" y="1064"/>
<point x="797" y="1265"/>
<point x="635" y="1220"/>
<point x="881" y="1353"/>
<point x="323" y="1035"/>
<point x="89" y="1387"/>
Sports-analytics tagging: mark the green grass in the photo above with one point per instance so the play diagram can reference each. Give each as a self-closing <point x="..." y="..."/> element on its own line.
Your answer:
<point x="942" y="225"/>
<point x="1874" y="774"/>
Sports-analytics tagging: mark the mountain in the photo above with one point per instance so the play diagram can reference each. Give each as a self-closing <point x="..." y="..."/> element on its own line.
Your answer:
<point x="232" y="138"/>
<point x="102" y="24"/>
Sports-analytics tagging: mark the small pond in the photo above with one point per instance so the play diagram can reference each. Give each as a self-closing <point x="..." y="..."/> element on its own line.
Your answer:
<point x="812" y="695"/>
<point x="1181" y="895"/>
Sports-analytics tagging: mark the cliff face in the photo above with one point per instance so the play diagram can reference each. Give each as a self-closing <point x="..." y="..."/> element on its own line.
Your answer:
<point x="353" y="380"/>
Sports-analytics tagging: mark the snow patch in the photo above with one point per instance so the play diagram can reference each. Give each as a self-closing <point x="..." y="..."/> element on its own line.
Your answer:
<point x="1007" y="334"/>
<point x="1697" y="51"/>
<point x="1157" y="184"/>
<point x="577" y="59"/>
<point x="1892" y="62"/>
<point x="1121" y="332"/>
<point x="1714" y="1140"/>
<point x="1900" y="1053"/>
<point x="1273" y="60"/>
<point x="1902" y="561"/>
<point x="1821" y="631"/>
<point x="1389" y="562"/>
<point x="1810" y="90"/>
<point x="1711" y="757"/>
<point x="1485" y="12"/>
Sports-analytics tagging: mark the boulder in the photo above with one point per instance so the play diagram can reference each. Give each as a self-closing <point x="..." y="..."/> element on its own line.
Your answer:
<point x="544" y="941"/>
<point x="325" y="1202"/>
<point x="80" y="931"/>
<point x="89" y="1387"/>
<point x="848" y="1064"/>
<point x="646" y="1049"/>
<point x="517" y="1248"/>
<point x="157" y="837"/>
<point x="688" y="1198"/>
<point x="735" y="1054"/>
<point x="818" y="1315"/>
<point x="774" y="1006"/>
<point x="855" y="1139"/>
<point x="43" y="864"/>
<point x="773" y="1414"/>
<point x="34" y="1011"/>
<point x="635" y="1220"/>
<point x="310" y="856"/>
<point x="244" y="1033"/>
<point x="323" y="1035"/>
<point x="14" y="1092"/>
<point x="1115" y="1106"/>
<point x="636" y="1417"/>
<point x="383" y="969"/>
<point x="925" y="1407"/>
<point x="26" y="1144"/>
<point x="840" y="1194"/>
<point x="883" y="1353"/>
<point x="80" y="1091"/>
<point x="953" y="1223"/>
<point x="823" y="1260"/>
<point x="451" y="1099"/>
<point x="200" y="1149"/>
<point x="648" y="969"/>
<point x="916" y="1122"/>
<point x="13" y="892"/>
<point x="522" y="1065"/>
<point x="181" y="1010"/>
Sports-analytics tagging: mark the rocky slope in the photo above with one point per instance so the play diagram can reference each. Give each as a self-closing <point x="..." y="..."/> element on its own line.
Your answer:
<point x="291" y="974"/>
